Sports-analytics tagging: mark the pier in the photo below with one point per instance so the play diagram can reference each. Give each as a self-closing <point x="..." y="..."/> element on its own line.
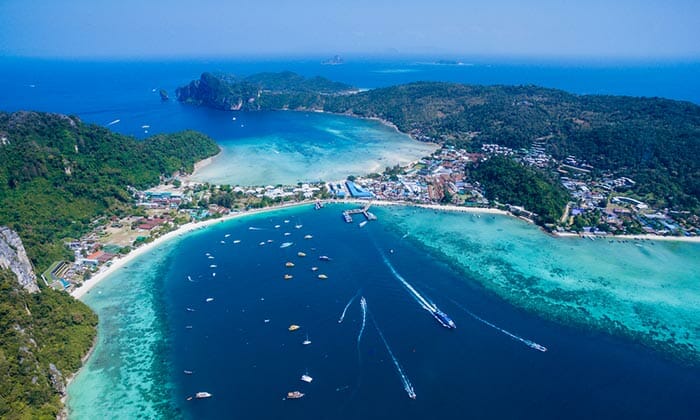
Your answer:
<point x="347" y="214"/>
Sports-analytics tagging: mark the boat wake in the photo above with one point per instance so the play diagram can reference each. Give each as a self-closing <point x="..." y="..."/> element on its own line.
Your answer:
<point x="407" y="386"/>
<point x="342" y="316"/>
<point x="363" y="304"/>
<point x="525" y="341"/>
<point x="423" y="302"/>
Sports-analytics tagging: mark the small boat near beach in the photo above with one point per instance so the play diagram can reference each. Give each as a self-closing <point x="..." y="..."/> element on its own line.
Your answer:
<point x="288" y="276"/>
<point x="314" y="268"/>
<point x="210" y="299"/>
<point x="301" y="254"/>
<point x="237" y="241"/>
<point x="289" y="264"/>
<point x="324" y="258"/>
<point x="322" y="276"/>
<point x="286" y="244"/>
<point x="363" y="223"/>
<point x="202" y="394"/>
<point x="308" y="237"/>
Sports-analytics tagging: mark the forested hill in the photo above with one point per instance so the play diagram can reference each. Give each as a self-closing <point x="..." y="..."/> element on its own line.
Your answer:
<point x="43" y="338"/>
<point x="655" y="141"/>
<point x="259" y="91"/>
<point x="57" y="174"/>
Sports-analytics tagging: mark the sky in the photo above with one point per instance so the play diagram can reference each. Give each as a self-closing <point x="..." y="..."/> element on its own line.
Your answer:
<point x="646" y="29"/>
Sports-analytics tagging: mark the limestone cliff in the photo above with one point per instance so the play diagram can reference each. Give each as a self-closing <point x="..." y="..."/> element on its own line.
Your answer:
<point x="14" y="257"/>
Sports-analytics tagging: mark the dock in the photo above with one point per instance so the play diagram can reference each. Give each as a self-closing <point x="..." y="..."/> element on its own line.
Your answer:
<point x="347" y="214"/>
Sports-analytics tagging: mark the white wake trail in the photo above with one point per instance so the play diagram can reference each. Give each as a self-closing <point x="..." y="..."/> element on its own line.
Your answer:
<point x="342" y="316"/>
<point x="417" y="296"/>
<point x="407" y="386"/>
<point x="363" y="304"/>
<point x="525" y="341"/>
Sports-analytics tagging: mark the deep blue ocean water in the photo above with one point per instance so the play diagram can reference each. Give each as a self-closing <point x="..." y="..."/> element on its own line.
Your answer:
<point x="249" y="365"/>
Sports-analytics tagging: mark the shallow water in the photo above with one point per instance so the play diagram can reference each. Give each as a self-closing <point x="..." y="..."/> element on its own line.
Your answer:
<point x="148" y="338"/>
<point x="290" y="147"/>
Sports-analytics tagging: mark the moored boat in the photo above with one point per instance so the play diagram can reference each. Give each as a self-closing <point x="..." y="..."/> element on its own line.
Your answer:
<point x="294" y="327"/>
<point x="293" y="395"/>
<point x="202" y="394"/>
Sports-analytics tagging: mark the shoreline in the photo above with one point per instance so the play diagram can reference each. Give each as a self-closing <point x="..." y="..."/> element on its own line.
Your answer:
<point x="120" y="262"/>
<point x="637" y="237"/>
<point x="186" y="228"/>
<point x="198" y="166"/>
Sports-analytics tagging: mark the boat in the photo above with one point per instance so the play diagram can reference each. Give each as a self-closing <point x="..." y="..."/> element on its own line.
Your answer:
<point x="314" y="268"/>
<point x="443" y="318"/>
<point x="237" y="241"/>
<point x="286" y="244"/>
<point x="538" y="347"/>
<point x="293" y="395"/>
<point x="189" y="309"/>
<point x="288" y="276"/>
<point x="289" y="264"/>
<point x="286" y="221"/>
<point x="277" y="226"/>
<point x="287" y="233"/>
<point x="322" y="276"/>
<point x="363" y="223"/>
<point x="301" y="254"/>
<point x="261" y="243"/>
<point x="269" y="241"/>
<point x="308" y="237"/>
<point x="324" y="258"/>
<point x="297" y="226"/>
<point x="412" y="394"/>
<point x="307" y="378"/>
<point x="202" y="394"/>
<point x="307" y="341"/>
<point x="293" y="327"/>
<point x="210" y="299"/>
<point x="188" y="372"/>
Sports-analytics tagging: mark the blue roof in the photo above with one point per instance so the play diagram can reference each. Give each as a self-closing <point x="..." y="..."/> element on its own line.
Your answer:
<point x="356" y="191"/>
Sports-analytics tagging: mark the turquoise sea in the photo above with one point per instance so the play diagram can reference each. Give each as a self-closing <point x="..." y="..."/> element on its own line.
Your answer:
<point x="620" y="320"/>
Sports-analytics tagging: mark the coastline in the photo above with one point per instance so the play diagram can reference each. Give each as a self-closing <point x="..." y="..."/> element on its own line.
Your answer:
<point x="198" y="166"/>
<point x="640" y="237"/>
<point x="118" y="263"/>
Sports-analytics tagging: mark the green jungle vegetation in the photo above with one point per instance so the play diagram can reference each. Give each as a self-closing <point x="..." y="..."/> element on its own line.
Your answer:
<point x="506" y="180"/>
<point x="58" y="174"/>
<point x="654" y="141"/>
<point x="43" y="336"/>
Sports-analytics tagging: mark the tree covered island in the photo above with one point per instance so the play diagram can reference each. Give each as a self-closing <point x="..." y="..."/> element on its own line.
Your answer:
<point x="591" y="163"/>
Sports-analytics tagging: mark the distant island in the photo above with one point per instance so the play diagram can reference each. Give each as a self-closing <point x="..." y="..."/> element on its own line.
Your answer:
<point x="594" y="163"/>
<point x="333" y="61"/>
